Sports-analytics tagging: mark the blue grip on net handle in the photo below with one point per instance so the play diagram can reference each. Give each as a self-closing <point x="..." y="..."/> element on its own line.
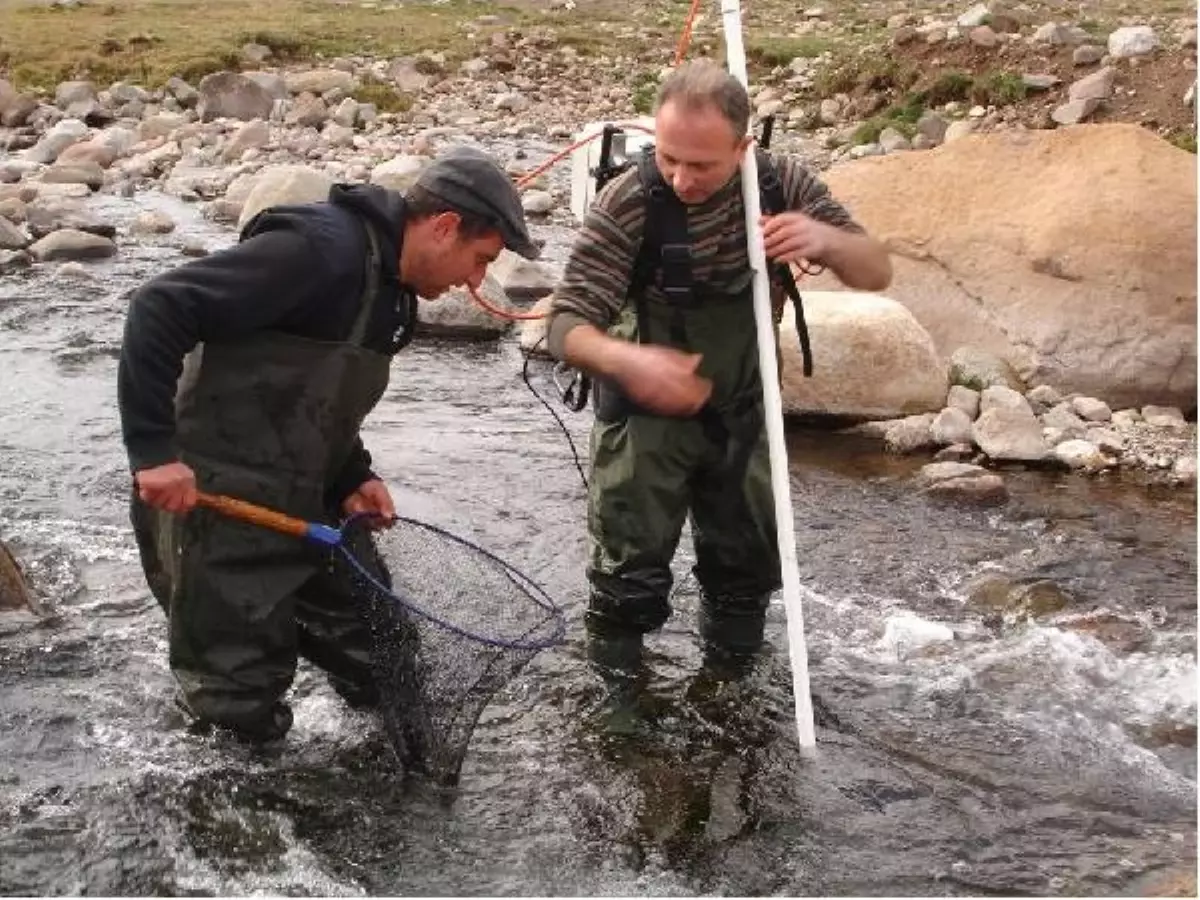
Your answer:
<point x="326" y="535"/>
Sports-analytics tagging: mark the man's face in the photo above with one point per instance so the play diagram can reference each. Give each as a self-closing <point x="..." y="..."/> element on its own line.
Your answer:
<point x="696" y="149"/>
<point x="449" y="260"/>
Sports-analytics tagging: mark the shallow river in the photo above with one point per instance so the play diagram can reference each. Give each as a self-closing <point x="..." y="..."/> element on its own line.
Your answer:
<point x="1053" y="755"/>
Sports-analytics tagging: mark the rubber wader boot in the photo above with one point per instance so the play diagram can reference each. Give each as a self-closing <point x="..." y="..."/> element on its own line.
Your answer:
<point x="732" y="633"/>
<point x="617" y="657"/>
<point x="274" y="727"/>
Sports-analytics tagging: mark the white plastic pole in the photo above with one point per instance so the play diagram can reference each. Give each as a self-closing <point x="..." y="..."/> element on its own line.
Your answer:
<point x="731" y="12"/>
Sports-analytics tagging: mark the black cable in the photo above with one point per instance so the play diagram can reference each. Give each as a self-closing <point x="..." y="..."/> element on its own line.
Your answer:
<point x="553" y="412"/>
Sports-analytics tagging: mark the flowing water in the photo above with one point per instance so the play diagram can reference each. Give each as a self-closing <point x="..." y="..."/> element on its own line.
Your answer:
<point x="1053" y="755"/>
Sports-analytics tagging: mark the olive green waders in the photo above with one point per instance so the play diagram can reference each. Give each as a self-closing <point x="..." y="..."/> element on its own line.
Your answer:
<point x="650" y="473"/>
<point x="270" y="419"/>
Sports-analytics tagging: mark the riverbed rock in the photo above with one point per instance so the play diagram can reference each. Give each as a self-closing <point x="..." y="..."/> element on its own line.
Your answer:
<point x="1000" y="397"/>
<point x="14" y="589"/>
<point x="44" y="216"/>
<point x="1017" y="597"/>
<point x="285" y="184"/>
<point x="1164" y="417"/>
<point x="1010" y="434"/>
<point x="152" y="222"/>
<point x="234" y="96"/>
<point x="1081" y="454"/>
<point x="910" y="434"/>
<point x="952" y="426"/>
<point x="56" y="140"/>
<point x="71" y="244"/>
<point x="961" y="481"/>
<point x="964" y="398"/>
<point x="12" y="237"/>
<point x="871" y="359"/>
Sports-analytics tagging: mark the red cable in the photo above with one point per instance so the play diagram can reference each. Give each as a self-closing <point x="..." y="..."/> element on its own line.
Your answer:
<point x="502" y="313"/>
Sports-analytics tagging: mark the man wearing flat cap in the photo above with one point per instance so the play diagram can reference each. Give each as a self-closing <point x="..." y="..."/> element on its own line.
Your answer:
<point x="249" y="373"/>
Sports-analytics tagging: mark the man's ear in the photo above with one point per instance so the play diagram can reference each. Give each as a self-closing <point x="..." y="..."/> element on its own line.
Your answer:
<point x="743" y="145"/>
<point x="446" y="224"/>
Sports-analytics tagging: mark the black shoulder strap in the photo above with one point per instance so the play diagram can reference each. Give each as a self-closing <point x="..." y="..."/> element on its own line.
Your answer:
<point x="770" y="187"/>
<point x="666" y="246"/>
<point x="773" y="201"/>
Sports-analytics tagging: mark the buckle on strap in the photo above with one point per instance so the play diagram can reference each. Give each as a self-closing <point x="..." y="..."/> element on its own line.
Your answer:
<point x="677" y="273"/>
<point x="572" y="384"/>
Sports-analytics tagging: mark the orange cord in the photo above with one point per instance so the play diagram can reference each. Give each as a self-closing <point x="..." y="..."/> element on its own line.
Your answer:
<point x="503" y="313"/>
<point x="686" y="37"/>
<point x="680" y="51"/>
<point x="528" y="177"/>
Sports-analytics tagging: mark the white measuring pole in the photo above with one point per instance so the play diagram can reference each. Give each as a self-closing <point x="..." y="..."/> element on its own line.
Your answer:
<point x="731" y="13"/>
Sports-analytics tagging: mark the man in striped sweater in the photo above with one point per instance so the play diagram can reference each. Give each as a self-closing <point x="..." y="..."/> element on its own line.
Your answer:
<point x="677" y="381"/>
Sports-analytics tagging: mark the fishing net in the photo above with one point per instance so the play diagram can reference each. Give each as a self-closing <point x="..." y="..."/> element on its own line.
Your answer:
<point x="452" y="624"/>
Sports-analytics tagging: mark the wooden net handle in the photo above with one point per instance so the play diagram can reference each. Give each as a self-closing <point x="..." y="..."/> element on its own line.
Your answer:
<point x="253" y="514"/>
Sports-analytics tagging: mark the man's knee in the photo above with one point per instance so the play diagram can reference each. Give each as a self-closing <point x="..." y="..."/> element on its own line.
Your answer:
<point x="632" y="601"/>
<point x="235" y="680"/>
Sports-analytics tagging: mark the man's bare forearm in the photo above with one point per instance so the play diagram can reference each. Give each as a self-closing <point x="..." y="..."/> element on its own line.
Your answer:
<point x="588" y="348"/>
<point x="859" y="261"/>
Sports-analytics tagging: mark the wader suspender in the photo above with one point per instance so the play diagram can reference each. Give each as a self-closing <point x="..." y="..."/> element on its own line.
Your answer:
<point x="665" y="231"/>
<point x="370" y="285"/>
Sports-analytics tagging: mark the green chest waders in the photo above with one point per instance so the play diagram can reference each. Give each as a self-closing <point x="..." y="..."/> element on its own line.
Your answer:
<point x="652" y="473"/>
<point x="270" y="419"/>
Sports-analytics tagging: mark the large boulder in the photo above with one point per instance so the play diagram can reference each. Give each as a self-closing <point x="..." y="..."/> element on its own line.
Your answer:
<point x="871" y="359"/>
<point x="1069" y="253"/>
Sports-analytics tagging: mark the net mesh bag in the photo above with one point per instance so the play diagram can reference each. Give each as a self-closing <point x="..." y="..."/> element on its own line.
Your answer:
<point x="452" y="624"/>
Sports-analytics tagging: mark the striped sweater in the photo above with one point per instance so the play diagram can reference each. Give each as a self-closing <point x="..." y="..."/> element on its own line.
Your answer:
<point x="597" y="275"/>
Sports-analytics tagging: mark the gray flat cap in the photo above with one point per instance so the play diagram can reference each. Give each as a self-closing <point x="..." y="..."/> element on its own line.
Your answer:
<point x="471" y="181"/>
